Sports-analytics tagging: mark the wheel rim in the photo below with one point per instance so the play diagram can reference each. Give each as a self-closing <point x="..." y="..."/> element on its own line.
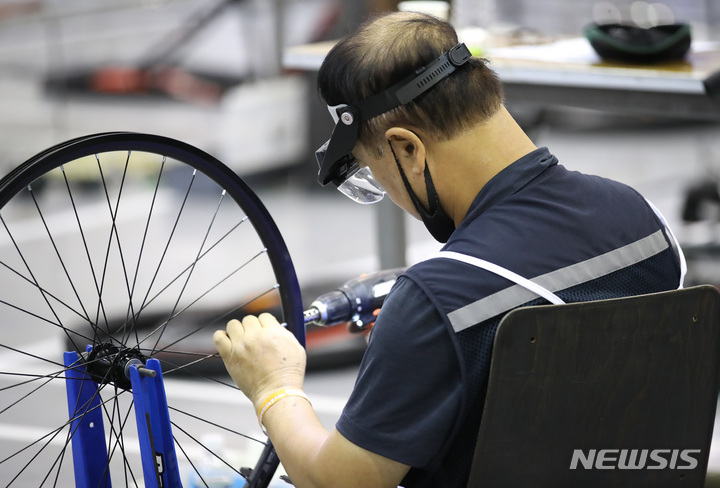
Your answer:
<point x="132" y="241"/>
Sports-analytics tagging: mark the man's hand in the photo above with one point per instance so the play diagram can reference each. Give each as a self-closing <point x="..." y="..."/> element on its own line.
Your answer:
<point x="261" y="356"/>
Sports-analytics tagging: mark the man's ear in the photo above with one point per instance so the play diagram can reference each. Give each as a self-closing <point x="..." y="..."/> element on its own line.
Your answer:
<point x="408" y="148"/>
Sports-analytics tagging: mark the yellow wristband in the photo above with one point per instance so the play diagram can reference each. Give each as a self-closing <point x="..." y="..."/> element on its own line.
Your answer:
<point x="274" y="398"/>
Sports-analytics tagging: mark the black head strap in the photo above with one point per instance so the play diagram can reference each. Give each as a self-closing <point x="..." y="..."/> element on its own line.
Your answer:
<point x="414" y="85"/>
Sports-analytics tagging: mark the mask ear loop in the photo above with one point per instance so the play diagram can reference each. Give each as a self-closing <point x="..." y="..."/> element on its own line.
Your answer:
<point x="433" y="197"/>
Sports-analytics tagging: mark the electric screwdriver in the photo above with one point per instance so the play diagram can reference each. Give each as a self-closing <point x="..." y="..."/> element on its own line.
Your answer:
<point x="357" y="301"/>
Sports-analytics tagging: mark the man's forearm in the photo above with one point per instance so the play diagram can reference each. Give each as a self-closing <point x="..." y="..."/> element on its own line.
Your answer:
<point x="298" y="436"/>
<point x="315" y="458"/>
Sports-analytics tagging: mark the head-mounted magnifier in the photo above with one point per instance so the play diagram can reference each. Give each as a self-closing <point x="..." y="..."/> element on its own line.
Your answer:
<point x="335" y="159"/>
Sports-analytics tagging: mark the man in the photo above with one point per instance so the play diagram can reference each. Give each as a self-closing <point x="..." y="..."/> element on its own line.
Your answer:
<point x="421" y="120"/>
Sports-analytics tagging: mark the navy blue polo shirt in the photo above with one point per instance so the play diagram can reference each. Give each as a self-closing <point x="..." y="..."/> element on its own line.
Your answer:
<point x="419" y="394"/>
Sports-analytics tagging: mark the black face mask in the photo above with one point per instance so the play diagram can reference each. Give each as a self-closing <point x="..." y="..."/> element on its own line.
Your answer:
<point x="436" y="221"/>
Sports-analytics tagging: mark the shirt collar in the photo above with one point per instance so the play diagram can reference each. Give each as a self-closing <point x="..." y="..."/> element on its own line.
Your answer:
<point x="511" y="179"/>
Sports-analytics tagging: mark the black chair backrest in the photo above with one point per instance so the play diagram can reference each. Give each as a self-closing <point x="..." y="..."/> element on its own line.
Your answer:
<point x="602" y="394"/>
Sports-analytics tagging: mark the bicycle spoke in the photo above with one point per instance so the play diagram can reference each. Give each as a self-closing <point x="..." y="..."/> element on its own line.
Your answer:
<point x="85" y="246"/>
<point x="131" y="312"/>
<point x="113" y="229"/>
<point x="43" y="319"/>
<point x="164" y="324"/>
<point x="59" y="469"/>
<point x="61" y="302"/>
<point x="177" y="368"/>
<point x="184" y="270"/>
<point x="221" y="427"/>
<point x="192" y="268"/>
<point x="52" y="435"/>
<point x="60" y="259"/>
<point x="119" y="440"/>
<point x="167" y="244"/>
<point x="24" y="397"/>
<point x="27" y="465"/>
<point x="202" y="445"/>
<point x="34" y="280"/>
<point x="114" y="232"/>
<point x="201" y="376"/>
<point x="35" y="377"/>
<point x="59" y="458"/>
<point x="192" y="465"/>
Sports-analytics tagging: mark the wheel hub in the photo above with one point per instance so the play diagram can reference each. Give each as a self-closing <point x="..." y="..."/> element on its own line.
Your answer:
<point x="109" y="364"/>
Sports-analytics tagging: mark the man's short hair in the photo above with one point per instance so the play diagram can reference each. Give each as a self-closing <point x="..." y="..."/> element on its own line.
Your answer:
<point x="385" y="50"/>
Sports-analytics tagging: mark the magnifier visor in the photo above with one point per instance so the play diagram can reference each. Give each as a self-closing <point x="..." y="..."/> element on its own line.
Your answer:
<point x="356" y="183"/>
<point x="361" y="187"/>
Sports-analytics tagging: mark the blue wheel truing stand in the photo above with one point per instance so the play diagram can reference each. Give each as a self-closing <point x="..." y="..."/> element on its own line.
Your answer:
<point x="90" y="455"/>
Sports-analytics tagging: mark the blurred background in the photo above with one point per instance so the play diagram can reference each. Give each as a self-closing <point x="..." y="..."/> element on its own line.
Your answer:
<point x="561" y="17"/>
<point x="219" y="82"/>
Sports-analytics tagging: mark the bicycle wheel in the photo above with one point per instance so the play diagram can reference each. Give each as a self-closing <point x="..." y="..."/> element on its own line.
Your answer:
<point x="137" y="246"/>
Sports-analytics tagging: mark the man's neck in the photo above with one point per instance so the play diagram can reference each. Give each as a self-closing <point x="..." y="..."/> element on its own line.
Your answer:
<point x="475" y="157"/>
